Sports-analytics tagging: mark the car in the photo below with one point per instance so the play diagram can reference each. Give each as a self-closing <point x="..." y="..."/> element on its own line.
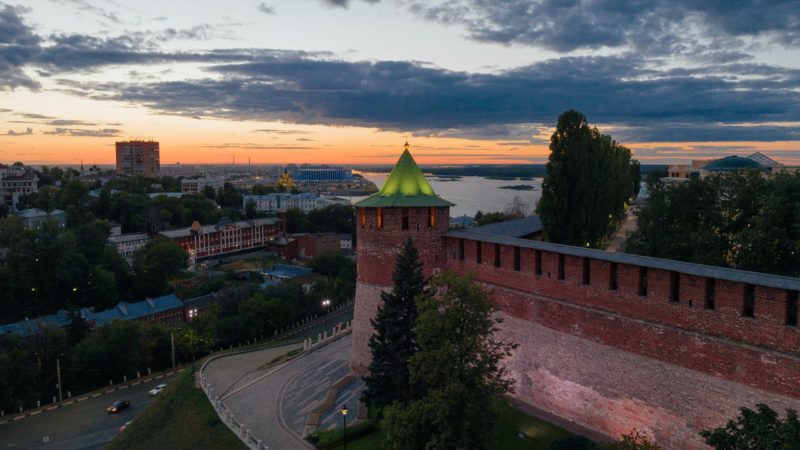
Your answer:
<point x="157" y="390"/>
<point x="118" y="406"/>
<point x="125" y="425"/>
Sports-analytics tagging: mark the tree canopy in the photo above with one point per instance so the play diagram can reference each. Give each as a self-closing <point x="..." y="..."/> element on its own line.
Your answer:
<point x="394" y="341"/>
<point x="586" y="186"/>
<point x="761" y="429"/>
<point x="740" y="220"/>
<point x="457" y="369"/>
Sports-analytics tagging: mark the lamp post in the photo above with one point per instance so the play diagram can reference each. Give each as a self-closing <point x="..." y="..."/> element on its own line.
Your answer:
<point x="58" y="375"/>
<point x="344" y="420"/>
<point x="326" y="303"/>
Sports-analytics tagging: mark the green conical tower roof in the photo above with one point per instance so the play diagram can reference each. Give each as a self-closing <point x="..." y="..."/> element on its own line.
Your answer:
<point x="405" y="187"/>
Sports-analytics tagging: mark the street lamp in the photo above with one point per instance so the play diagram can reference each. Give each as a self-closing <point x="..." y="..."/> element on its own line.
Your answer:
<point x="344" y="420"/>
<point x="326" y="303"/>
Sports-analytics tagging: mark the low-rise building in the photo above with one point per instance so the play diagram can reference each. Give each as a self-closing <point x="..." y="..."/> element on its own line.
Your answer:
<point x="280" y="202"/>
<point x="198" y="185"/>
<point x="166" y="310"/>
<point x="127" y="244"/>
<point x="346" y="242"/>
<point x="32" y="218"/>
<point x="226" y="236"/>
<point x="16" y="181"/>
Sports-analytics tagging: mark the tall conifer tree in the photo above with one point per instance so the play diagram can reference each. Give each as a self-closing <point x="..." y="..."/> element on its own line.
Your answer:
<point x="394" y="340"/>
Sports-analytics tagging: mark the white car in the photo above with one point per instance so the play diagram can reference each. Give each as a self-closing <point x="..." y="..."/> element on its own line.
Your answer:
<point x="157" y="390"/>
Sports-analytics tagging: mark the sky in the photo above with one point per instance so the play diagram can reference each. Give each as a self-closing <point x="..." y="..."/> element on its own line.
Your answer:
<point x="349" y="81"/>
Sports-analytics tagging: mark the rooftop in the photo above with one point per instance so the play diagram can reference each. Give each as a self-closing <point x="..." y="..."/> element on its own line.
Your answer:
<point x="734" y="163"/>
<point x="406" y="186"/>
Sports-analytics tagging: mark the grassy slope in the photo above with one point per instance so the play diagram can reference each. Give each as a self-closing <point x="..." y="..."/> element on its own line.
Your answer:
<point x="181" y="417"/>
<point x="538" y="434"/>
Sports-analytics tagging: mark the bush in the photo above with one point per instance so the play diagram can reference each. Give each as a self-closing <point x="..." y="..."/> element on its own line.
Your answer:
<point x="329" y="439"/>
<point x="573" y="443"/>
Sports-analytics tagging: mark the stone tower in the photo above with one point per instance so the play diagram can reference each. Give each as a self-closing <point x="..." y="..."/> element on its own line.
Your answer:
<point x="405" y="207"/>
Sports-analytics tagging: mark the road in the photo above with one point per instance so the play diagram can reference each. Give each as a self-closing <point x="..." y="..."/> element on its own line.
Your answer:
<point x="83" y="425"/>
<point x="86" y="425"/>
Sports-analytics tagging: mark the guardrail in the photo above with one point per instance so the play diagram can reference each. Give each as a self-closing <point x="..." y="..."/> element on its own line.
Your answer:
<point x="309" y="345"/>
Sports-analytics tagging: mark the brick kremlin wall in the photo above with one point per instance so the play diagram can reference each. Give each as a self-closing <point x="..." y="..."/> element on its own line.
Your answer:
<point x="610" y="341"/>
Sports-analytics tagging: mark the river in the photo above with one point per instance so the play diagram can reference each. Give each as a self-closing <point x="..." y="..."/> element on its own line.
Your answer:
<point x="473" y="194"/>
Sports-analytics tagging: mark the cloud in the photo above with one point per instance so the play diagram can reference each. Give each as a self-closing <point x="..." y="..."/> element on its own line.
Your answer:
<point x="67" y="122"/>
<point x="345" y="3"/>
<point x="654" y="27"/>
<point x="275" y="131"/>
<point x="254" y="146"/>
<point x="83" y="5"/>
<point x="266" y="9"/>
<point x="28" y="131"/>
<point x="304" y="140"/>
<point x="78" y="132"/>
<point x="623" y="91"/>
<point x="33" y="116"/>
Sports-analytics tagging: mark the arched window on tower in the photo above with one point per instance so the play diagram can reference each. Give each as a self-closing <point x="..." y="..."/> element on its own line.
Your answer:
<point x="380" y="218"/>
<point x="363" y="218"/>
<point x="431" y="217"/>
<point x="405" y="219"/>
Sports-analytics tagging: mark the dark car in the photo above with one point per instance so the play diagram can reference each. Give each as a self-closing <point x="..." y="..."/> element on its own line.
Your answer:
<point x="118" y="406"/>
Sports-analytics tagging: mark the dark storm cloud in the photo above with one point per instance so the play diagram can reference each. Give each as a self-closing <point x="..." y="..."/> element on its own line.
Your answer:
<point x="516" y="104"/>
<point x="671" y="132"/>
<point x="655" y="27"/>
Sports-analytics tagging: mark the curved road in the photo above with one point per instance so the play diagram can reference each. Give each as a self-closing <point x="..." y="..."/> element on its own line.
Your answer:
<point x="82" y="425"/>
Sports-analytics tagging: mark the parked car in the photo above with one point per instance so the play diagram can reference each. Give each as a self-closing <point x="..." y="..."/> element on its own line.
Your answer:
<point x="157" y="390"/>
<point x="118" y="406"/>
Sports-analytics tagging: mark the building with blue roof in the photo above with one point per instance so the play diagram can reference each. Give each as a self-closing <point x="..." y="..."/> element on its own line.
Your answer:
<point x="166" y="310"/>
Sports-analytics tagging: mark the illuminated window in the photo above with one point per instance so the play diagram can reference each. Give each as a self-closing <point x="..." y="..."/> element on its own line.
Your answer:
<point x="380" y="218"/>
<point x="363" y="218"/>
<point x="431" y="217"/>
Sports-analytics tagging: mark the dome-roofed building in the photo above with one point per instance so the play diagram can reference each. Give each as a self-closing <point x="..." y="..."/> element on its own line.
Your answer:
<point x="734" y="163"/>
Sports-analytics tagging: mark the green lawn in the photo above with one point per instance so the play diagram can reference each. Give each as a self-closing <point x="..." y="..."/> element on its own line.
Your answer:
<point x="181" y="417"/>
<point x="537" y="434"/>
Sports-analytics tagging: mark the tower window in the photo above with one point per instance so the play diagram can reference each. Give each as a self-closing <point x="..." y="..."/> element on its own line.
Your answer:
<point x="643" y="281"/>
<point x="497" y="255"/>
<point x="749" y="300"/>
<point x="478" y="251"/>
<point x="461" y="249"/>
<point x="516" y="259"/>
<point x="791" y="308"/>
<point x="675" y="287"/>
<point x="537" y="267"/>
<point x="587" y="267"/>
<point x="380" y="218"/>
<point x="431" y="217"/>
<point x="711" y="293"/>
<point x="363" y="218"/>
<point x="561" y="274"/>
<point x="405" y="219"/>
<point x="612" y="276"/>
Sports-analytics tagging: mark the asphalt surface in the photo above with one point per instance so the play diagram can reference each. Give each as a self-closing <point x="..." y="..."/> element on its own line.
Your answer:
<point x="86" y="425"/>
<point x="82" y="425"/>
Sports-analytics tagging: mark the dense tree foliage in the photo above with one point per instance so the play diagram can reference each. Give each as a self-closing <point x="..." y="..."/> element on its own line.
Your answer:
<point x="587" y="184"/>
<point x="762" y="429"/>
<point x="739" y="220"/>
<point x="394" y="341"/>
<point x="154" y="264"/>
<point x="335" y="218"/>
<point x="458" y="369"/>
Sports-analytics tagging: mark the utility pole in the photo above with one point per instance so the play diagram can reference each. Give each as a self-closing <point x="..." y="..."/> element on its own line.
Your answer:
<point x="172" y="341"/>
<point x="58" y="375"/>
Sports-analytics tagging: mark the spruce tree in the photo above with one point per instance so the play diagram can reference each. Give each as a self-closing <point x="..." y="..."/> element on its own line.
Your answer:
<point x="394" y="340"/>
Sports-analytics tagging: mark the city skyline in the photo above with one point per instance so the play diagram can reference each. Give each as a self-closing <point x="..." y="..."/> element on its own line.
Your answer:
<point x="347" y="82"/>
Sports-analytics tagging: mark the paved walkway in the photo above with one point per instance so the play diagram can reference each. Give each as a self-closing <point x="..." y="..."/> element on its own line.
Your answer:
<point x="275" y="409"/>
<point x="620" y="237"/>
<point x="223" y="373"/>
